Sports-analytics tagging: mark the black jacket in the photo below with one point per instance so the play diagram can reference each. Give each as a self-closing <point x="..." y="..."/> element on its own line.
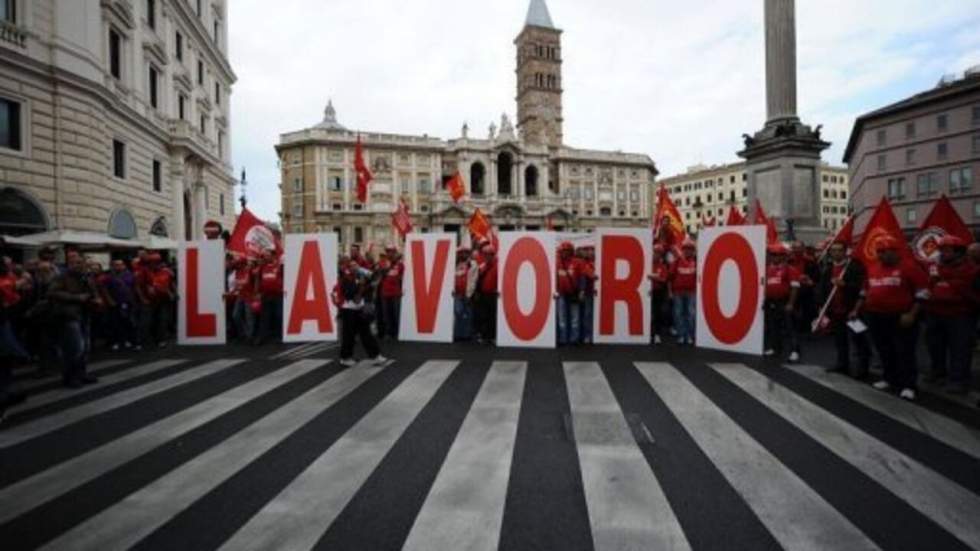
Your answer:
<point x="853" y="282"/>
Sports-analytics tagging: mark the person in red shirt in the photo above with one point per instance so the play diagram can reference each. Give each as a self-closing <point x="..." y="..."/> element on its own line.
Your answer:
<point x="659" y="293"/>
<point x="586" y="283"/>
<point x="683" y="289"/>
<point x="844" y="278"/>
<point x="891" y="301"/>
<point x="357" y="257"/>
<point x="805" y="264"/>
<point x="467" y="272"/>
<point x="391" y="292"/>
<point x="156" y="289"/>
<point x="951" y="315"/>
<point x="782" y="291"/>
<point x="270" y="280"/>
<point x="568" y="306"/>
<point x="485" y="313"/>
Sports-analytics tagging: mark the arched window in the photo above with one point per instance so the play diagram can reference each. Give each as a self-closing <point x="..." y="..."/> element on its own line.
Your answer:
<point x="20" y="214"/>
<point x="505" y="164"/>
<point x="159" y="228"/>
<point x="122" y="225"/>
<point x="478" y="179"/>
<point x="531" y="181"/>
<point x="605" y="211"/>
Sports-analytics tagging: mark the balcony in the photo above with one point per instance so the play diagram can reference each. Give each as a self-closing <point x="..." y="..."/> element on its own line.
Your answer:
<point x="13" y="35"/>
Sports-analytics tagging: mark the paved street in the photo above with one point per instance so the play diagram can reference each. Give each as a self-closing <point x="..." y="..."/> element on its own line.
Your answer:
<point x="467" y="447"/>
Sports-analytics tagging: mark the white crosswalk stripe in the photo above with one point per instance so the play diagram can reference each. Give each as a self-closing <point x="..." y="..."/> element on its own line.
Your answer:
<point x="627" y="506"/>
<point x="463" y="501"/>
<point x="301" y="513"/>
<point x="944" y="429"/>
<point x="795" y="515"/>
<point x="139" y="514"/>
<point x="948" y="504"/>
<point x="94" y="368"/>
<point x="31" y="492"/>
<point x="52" y="396"/>
<point x="465" y="506"/>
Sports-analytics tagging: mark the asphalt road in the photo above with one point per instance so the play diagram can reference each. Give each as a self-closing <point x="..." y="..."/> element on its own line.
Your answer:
<point x="471" y="447"/>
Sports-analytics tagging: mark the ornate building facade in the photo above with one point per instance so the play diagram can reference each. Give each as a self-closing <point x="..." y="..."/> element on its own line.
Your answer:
<point x="523" y="177"/>
<point x="115" y="117"/>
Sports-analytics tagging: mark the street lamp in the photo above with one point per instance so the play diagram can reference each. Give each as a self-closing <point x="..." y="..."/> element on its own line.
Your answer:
<point x="243" y="184"/>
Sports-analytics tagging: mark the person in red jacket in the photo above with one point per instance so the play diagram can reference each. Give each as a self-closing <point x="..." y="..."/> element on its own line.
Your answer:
<point x="391" y="292"/>
<point x="270" y="280"/>
<point x="464" y="286"/>
<point x="156" y="289"/>
<point x="782" y="290"/>
<point x="486" y="296"/>
<point x="568" y="306"/>
<point x="659" y="293"/>
<point x="586" y="284"/>
<point x="891" y="301"/>
<point x="951" y="315"/>
<point x="683" y="289"/>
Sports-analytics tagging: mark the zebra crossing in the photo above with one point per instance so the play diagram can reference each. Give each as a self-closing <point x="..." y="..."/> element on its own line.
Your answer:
<point x="296" y="452"/>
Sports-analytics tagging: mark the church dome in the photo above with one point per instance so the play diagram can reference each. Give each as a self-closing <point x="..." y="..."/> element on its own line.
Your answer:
<point x="330" y="118"/>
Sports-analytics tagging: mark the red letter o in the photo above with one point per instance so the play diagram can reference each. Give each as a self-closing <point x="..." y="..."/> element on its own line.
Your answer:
<point x="527" y="327"/>
<point x="730" y="330"/>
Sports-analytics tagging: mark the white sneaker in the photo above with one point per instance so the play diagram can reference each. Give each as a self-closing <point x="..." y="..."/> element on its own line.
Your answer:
<point x="115" y="348"/>
<point x="907" y="394"/>
<point x="656" y="339"/>
<point x="769" y="352"/>
<point x="881" y="385"/>
<point x="380" y="360"/>
<point x="349" y="362"/>
<point x="794" y="357"/>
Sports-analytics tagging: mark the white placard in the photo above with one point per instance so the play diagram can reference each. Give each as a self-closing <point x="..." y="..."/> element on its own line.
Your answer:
<point x="622" y="305"/>
<point x="526" y="283"/>
<point x="200" y="292"/>
<point x="309" y="276"/>
<point x="427" y="288"/>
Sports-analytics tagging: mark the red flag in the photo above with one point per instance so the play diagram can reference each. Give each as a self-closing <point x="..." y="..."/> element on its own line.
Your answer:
<point x="364" y="175"/>
<point x="251" y="237"/>
<point x="846" y="233"/>
<point x="456" y="188"/>
<point x="667" y="225"/>
<point x="735" y="217"/>
<point x="401" y="220"/>
<point x="479" y="225"/>
<point x="772" y="235"/>
<point x="942" y="221"/>
<point x="883" y="223"/>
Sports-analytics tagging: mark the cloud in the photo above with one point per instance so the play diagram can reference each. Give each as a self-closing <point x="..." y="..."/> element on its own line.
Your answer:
<point x="680" y="81"/>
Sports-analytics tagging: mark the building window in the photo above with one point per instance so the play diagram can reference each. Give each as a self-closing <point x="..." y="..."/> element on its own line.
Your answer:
<point x="911" y="215"/>
<point x="157" y="177"/>
<point x="118" y="159"/>
<point x="154" y="88"/>
<point x="298" y="210"/>
<point x="358" y="234"/>
<point x="942" y="151"/>
<point x="745" y="192"/>
<point x="910" y="130"/>
<point x="179" y="46"/>
<point x="942" y="122"/>
<point x="200" y="73"/>
<point x="926" y="184"/>
<point x="843" y="194"/>
<point x="10" y="125"/>
<point x="336" y="184"/>
<point x="976" y="114"/>
<point x="358" y="206"/>
<point x="8" y="11"/>
<point x="151" y="13"/>
<point x="221" y="204"/>
<point x="217" y="93"/>
<point x="204" y="124"/>
<point x="826" y="194"/>
<point x="881" y="163"/>
<point x="896" y="188"/>
<point x="297" y="185"/>
<point x="115" y="54"/>
<point x="960" y="180"/>
<point x="882" y="137"/>
<point x="425" y="186"/>
<point x="605" y="211"/>
<point x="976" y="143"/>
<point x="337" y="206"/>
<point x="910" y="156"/>
<point x="182" y="107"/>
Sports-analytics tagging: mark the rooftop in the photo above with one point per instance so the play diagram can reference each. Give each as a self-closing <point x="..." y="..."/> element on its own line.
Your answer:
<point x="538" y="16"/>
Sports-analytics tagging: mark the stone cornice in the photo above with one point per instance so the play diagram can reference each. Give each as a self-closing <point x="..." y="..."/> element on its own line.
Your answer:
<point x="191" y="21"/>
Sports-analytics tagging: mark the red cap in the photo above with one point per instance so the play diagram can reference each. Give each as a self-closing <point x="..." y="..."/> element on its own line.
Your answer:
<point x="952" y="241"/>
<point x="566" y="246"/>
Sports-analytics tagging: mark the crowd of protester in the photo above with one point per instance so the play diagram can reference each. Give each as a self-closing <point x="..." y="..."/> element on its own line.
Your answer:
<point x="54" y="312"/>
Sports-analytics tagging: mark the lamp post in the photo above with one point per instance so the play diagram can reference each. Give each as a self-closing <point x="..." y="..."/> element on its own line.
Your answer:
<point x="243" y="184"/>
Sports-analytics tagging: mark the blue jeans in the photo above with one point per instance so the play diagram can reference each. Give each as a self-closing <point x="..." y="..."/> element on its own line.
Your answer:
<point x="569" y="320"/>
<point x="684" y="307"/>
<point x="245" y="320"/>
<point x="9" y="345"/>
<point x="463" y="319"/>
<point x="73" y="348"/>
<point x="588" y="313"/>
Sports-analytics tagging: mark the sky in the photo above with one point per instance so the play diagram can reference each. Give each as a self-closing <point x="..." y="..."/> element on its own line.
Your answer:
<point x="678" y="80"/>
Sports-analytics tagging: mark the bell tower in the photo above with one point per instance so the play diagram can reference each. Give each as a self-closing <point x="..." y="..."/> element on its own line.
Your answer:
<point x="539" y="115"/>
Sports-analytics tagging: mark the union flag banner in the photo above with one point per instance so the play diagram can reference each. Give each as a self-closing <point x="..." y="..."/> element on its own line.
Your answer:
<point x="735" y="217"/>
<point x="942" y="221"/>
<point x="667" y="225"/>
<point x="882" y="224"/>
<point x="456" y="188"/>
<point x="401" y="220"/>
<point x="251" y="237"/>
<point x="364" y="175"/>
<point x="479" y="225"/>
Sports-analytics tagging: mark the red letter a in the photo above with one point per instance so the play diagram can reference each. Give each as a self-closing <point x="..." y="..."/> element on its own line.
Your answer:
<point x="317" y="307"/>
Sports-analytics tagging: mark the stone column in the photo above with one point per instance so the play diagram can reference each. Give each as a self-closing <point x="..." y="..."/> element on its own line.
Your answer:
<point x="780" y="60"/>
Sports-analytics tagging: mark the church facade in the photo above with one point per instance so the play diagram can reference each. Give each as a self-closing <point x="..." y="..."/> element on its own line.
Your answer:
<point x="522" y="176"/>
